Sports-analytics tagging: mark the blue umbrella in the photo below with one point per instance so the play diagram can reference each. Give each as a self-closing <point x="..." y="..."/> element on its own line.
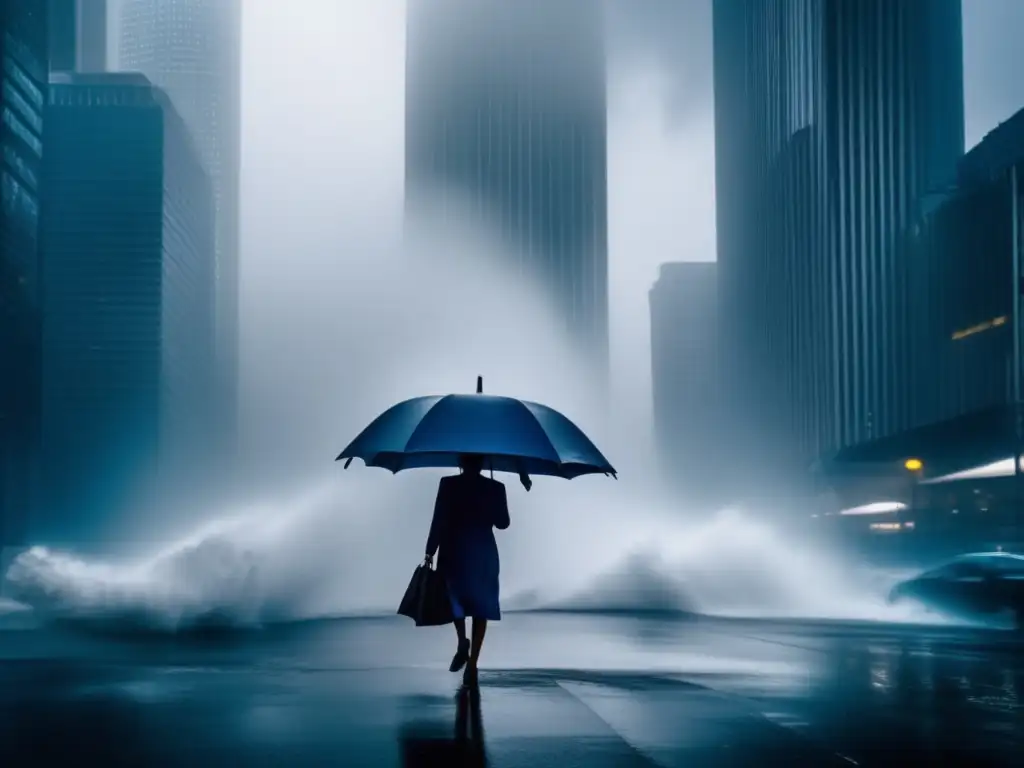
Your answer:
<point x="512" y="435"/>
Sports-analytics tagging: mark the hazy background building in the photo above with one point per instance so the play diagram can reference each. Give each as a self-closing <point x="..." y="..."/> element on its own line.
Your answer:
<point x="690" y="434"/>
<point x="506" y="113"/>
<point x="78" y="35"/>
<point x="128" y="351"/>
<point x="23" y="54"/>
<point x="833" y="119"/>
<point x="191" y="49"/>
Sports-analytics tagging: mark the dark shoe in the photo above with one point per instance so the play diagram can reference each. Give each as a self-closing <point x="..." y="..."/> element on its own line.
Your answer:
<point x="461" y="657"/>
<point x="469" y="677"/>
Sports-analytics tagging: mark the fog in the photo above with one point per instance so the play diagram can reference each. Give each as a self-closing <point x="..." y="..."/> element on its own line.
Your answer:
<point x="306" y="539"/>
<point x="343" y="313"/>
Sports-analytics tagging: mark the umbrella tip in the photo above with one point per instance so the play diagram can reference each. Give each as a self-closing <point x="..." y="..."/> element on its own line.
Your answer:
<point x="479" y="385"/>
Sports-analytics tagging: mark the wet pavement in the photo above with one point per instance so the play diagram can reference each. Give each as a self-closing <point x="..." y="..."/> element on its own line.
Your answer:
<point x="554" y="690"/>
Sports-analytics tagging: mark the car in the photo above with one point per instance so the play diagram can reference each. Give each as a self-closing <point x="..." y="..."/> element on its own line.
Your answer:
<point x="980" y="584"/>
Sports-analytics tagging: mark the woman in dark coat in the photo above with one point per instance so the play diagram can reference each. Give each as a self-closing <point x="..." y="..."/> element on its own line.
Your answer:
<point x="469" y="507"/>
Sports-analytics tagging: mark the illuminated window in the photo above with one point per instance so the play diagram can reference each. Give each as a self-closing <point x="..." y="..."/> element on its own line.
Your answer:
<point x="980" y="327"/>
<point x="886" y="527"/>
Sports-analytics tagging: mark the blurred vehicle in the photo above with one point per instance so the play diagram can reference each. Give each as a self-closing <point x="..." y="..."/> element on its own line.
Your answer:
<point x="982" y="584"/>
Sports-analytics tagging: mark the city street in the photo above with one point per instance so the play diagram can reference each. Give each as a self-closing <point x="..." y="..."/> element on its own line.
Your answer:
<point x="555" y="689"/>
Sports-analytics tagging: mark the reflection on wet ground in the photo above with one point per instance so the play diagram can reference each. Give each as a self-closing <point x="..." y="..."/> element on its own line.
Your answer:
<point x="942" y="704"/>
<point x="556" y="690"/>
<point x="425" y="745"/>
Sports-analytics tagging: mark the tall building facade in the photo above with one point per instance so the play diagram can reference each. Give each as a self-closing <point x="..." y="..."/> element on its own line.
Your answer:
<point x="78" y="35"/>
<point x="23" y="54"/>
<point x="128" y="278"/>
<point x="506" y="117"/>
<point x="834" y="119"/>
<point x="690" y="433"/>
<point x="191" y="49"/>
<point x="965" y="246"/>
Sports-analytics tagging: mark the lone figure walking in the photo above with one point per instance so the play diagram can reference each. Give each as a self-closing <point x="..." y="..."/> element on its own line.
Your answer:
<point x="469" y="507"/>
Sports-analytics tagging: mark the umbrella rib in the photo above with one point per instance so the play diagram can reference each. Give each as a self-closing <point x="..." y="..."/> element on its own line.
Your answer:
<point x="419" y="425"/>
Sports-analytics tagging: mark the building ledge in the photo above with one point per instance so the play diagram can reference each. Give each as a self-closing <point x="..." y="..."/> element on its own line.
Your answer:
<point x="972" y="439"/>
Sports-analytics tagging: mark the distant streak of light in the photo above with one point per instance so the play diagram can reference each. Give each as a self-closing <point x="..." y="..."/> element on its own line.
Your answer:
<point x="875" y="508"/>
<point x="1002" y="468"/>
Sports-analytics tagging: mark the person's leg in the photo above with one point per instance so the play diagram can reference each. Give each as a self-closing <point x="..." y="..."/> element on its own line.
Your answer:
<point x="462" y="652"/>
<point x="479" y="630"/>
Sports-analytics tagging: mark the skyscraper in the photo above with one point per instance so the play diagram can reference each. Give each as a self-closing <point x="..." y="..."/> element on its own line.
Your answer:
<point x="967" y="244"/>
<point x="78" y="35"/>
<point x="506" y="113"/>
<point x="688" y="415"/>
<point x="833" y="120"/>
<point x="23" y="36"/>
<point x="191" y="49"/>
<point x="128" y="351"/>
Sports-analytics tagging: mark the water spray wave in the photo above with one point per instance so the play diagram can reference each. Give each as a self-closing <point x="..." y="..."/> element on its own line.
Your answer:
<point x="272" y="565"/>
<point x="322" y="358"/>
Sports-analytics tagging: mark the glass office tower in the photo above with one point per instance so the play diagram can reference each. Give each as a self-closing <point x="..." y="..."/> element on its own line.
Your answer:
<point x="191" y="49"/>
<point x="23" y="53"/>
<point x="128" y="350"/>
<point x="506" y="113"/>
<point x="834" y="119"/>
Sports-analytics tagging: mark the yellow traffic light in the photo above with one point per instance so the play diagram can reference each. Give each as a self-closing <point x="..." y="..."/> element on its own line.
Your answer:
<point x="913" y="465"/>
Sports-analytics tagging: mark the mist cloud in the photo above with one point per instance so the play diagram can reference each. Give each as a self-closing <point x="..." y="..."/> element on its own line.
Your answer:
<point x="672" y="37"/>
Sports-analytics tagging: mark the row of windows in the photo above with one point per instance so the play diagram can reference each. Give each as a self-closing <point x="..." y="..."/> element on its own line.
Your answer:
<point x="101" y="96"/>
<point x="22" y="131"/>
<point x="28" y="115"/>
<point x="19" y="204"/>
<point x="32" y="91"/>
<point x="24" y="58"/>
<point x="16" y="162"/>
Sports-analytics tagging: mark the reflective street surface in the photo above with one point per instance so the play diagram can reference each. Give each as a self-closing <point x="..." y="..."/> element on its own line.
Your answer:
<point x="555" y="690"/>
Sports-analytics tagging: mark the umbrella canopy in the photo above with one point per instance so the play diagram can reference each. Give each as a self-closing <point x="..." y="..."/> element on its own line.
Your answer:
<point x="512" y="435"/>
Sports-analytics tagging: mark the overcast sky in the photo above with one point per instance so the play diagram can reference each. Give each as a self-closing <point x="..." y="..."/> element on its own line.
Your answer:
<point x="323" y="139"/>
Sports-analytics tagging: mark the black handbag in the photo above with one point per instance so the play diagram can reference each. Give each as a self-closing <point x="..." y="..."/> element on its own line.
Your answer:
<point x="426" y="600"/>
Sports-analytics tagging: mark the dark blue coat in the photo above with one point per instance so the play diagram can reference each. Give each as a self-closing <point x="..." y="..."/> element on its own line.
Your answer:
<point x="467" y="510"/>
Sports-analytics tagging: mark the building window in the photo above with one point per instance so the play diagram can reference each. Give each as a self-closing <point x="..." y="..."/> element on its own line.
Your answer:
<point x="22" y="131"/>
<point x="19" y="203"/>
<point x="995" y="322"/>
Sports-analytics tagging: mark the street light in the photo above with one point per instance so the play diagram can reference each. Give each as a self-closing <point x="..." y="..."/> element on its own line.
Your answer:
<point x="913" y="465"/>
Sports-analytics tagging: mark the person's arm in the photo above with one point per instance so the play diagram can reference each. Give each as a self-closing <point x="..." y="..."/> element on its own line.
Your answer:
<point x="437" y="523"/>
<point x="501" y="518"/>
